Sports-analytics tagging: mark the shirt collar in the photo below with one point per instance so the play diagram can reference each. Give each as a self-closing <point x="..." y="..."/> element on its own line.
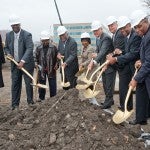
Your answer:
<point x="17" y="34"/>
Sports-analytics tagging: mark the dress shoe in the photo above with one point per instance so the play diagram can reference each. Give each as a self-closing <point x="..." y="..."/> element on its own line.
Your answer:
<point x="107" y="105"/>
<point x="15" y="108"/>
<point x="135" y="122"/>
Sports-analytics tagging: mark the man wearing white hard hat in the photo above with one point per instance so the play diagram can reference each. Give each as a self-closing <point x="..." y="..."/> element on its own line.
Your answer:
<point x="119" y="49"/>
<point x="104" y="46"/>
<point x="46" y="57"/>
<point x="141" y="81"/>
<point x="131" y="54"/>
<point x="19" y="45"/>
<point x="67" y="50"/>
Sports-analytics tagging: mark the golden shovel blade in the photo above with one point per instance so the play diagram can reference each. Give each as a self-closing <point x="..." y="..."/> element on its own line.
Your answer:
<point x="82" y="86"/>
<point x="121" y="116"/>
<point x="40" y="86"/>
<point x="67" y="84"/>
<point x="88" y="93"/>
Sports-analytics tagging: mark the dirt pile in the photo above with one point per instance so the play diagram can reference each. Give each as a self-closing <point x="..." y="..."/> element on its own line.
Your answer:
<point x="63" y="123"/>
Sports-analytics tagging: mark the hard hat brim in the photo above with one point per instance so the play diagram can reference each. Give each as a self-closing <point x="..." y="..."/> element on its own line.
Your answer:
<point x="14" y="23"/>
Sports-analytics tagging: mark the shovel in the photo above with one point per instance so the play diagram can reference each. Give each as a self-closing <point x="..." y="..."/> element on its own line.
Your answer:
<point x="84" y="78"/>
<point x="63" y="84"/>
<point x="92" y="93"/>
<point x="89" y="82"/>
<point x="121" y="116"/>
<point x="28" y="74"/>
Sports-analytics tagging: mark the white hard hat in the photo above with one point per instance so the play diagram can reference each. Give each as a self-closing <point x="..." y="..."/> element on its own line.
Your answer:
<point x="85" y="35"/>
<point x="137" y="16"/>
<point x="61" y="30"/>
<point x="110" y="20"/>
<point x="45" y="35"/>
<point x="95" y="25"/>
<point x="13" y="19"/>
<point x="123" y="21"/>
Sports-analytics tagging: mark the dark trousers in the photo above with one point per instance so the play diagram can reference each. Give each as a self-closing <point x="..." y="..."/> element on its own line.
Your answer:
<point x="1" y="77"/>
<point x="142" y="103"/>
<point x="125" y="76"/>
<point x="52" y="86"/>
<point x="17" y="86"/>
<point x="108" y="85"/>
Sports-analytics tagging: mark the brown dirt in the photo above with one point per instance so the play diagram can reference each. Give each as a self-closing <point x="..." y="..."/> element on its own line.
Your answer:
<point x="64" y="122"/>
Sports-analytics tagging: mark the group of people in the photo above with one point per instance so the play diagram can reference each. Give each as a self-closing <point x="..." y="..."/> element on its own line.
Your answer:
<point x="127" y="49"/>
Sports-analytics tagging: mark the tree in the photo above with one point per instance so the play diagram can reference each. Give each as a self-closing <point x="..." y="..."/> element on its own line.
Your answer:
<point x="146" y="3"/>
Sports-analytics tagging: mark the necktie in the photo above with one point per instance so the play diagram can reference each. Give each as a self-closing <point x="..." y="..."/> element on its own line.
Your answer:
<point x="16" y="57"/>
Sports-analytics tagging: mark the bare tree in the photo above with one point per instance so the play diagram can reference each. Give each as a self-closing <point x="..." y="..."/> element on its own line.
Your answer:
<point x="146" y="3"/>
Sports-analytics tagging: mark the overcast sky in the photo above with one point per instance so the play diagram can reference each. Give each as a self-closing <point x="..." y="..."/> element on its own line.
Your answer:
<point x="38" y="15"/>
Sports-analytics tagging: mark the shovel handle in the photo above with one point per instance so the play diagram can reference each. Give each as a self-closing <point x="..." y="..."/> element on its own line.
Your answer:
<point x="88" y="70"/>
<point x="129" y="91"/>
<point x="98" y="79"/>
<point x="24" y="70"/>
<point x="62" y="68"/>
<point x="99" y="68"/>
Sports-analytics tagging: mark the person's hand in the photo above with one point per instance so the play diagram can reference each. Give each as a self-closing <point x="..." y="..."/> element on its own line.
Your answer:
<point x="94" y="55"/>
<point x="56" y="67"/>
<point x="138" y="64"/>
<point x="133" y="83"/>
<point x="117" y="51"/>
<point x="111" y="59"/>
<point x="59" y="56"/>
<point x="105" y="67"/>
<point x="81" y="67"/>
<point x="90" y="66"/>
<point x="20" y="64"/>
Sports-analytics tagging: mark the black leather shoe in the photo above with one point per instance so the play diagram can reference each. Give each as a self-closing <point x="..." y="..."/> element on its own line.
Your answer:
<point x="135" y="122"/>
<point x="107" y="105"/>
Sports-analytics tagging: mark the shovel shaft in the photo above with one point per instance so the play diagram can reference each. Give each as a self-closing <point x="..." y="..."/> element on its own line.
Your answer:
<point x="63" y="74"/>
<point x="98" y="79"/>
<point x="99" y="68"/>
<point x="129" y="91"/>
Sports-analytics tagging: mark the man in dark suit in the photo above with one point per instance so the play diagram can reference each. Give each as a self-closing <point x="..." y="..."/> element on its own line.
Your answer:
<point x="131" y="53"/>
<point x="104" y="46"/>
<point x="67" y="50"/>
<point x="119" y="49"/>
<point x="141" y="81"/>
<point x="2" y="60"/>
<point x="19" y="45"/>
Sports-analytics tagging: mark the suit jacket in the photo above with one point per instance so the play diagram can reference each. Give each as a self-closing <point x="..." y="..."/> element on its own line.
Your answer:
<point x="87" y="55"/>
<point x="132" y="50"/>
<point x="104" y="46"/>
<point x="25" y="48"/>
<point x="50" y="58"/>
<point x="2" y="58"/>
<point x="119" y="41"/>
<point x="69" y="51"/>
<point x="143" y="74"/>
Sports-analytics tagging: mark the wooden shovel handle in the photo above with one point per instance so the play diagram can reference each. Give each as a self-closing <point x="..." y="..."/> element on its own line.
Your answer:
<point x="99" y="68"/>
<point x="88" y="70"/>
<point x="24" y="70"/>
<point x="62" y="68"/>
<point x="129" y="91"/>
<point x="98" y="79"/>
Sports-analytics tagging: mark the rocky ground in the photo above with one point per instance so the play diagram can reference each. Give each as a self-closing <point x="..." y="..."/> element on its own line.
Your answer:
<point x="65" y="122"/>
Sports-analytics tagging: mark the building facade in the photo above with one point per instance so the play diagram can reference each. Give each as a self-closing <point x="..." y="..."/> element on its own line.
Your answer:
<point x="75" y="30"/>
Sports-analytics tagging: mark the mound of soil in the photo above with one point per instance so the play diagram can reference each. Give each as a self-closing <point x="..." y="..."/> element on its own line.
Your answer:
<point x="63" y="122"/>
